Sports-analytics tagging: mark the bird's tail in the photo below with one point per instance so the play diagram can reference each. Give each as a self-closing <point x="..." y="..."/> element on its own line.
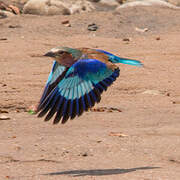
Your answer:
<point x="116" y="59"/>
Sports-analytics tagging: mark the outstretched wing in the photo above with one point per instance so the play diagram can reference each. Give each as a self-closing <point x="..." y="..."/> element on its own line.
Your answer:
<point x="56" y="75"/>
<point x="79" y="90"/>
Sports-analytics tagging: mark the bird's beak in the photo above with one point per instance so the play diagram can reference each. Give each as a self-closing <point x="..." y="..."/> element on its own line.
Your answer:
<point x="50" y="54"/>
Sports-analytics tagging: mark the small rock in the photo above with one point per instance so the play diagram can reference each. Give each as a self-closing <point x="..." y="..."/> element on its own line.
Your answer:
<point x="99" y="109"/>
<point x="67" y="25"/>
<point x="65" y="21"/>
<point x="141" y="30"/>
<point x="111" y="109"/>
<point x="85" y="154"/>
<point x="14" y="26"/>
<point x="18" y="148"/>
<point x="3" y="111"/>
<point x="152" y="92"/>
<point x="103" y="109"/>
<point x="14" y="9"/>
<point x="3" y="117"/>
<point x="158" y="38"/>
<point x="92" y="27"/>
<point x="10" y="8"/>
<point x="176" y="102"/>
<point x="5" y="14"/>
<point x="65" y="152"/>
<point x="99" y="141"/>
<point x="117" y="134"/>
<point x="3" y="39"/>
<point x="126" y="39"/>
<point x="17" y="111"/>
<point x="175" y="160"/>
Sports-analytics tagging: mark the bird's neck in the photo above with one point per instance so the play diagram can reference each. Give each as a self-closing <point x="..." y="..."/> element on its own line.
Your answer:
<point x="76" y="54"/>
<point x="66" y="60"/>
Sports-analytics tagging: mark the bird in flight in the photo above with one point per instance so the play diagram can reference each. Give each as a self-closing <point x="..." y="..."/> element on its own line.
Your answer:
<point x="77" y="80"/>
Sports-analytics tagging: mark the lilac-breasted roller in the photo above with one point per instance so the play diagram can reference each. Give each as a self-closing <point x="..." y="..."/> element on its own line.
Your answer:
<point x="77" y="80"/>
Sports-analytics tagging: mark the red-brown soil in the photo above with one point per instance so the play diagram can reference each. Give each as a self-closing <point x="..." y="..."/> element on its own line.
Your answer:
<point x="84" y="148"/>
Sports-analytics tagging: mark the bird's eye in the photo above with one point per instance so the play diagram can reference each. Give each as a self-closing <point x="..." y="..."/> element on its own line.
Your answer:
<point x="60" y="52"/>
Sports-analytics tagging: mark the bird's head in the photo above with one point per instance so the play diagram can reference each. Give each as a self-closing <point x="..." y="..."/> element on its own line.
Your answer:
<point x="64" y="55"/>
<point x="58" y="53"/>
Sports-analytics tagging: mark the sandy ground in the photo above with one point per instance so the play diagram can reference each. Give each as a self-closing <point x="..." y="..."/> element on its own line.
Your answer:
<point x="148" y="97"/>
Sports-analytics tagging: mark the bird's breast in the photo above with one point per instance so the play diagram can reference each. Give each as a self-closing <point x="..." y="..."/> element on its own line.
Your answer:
<point x="66" y="60"/>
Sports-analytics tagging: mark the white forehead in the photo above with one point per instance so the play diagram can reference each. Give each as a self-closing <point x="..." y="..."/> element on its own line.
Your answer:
<point x="54" y="50"/>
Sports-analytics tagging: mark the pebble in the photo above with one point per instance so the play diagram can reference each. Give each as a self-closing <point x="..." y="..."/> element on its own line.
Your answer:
<point x="3" y="117"/>
<point x="3" y="85"/>
<point x="126" y="39"/>
<point x="65" y="21"/>
<point x="117" y="134"/>
<point x="3" y="39"/>
<point x="92" y="27"/>
<point x="152" y="92"/>
<point x="174" y="160"/>
<point x="105" y="109"/>
<point x="3" y="111"/>
<point x="176" y="102"/>
<point x="14" y="9"/>
<point x="141" y="30"/>
<point x="14" y="26"/>
<point x="83" y="154"/>
<point x="67" y="25"/>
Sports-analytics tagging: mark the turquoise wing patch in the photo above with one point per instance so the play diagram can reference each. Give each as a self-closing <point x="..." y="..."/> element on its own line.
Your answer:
<point x="80" y="89"/>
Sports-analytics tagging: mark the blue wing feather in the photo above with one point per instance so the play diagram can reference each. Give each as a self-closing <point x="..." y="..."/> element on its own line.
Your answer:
<point x="56" y="74"/>
<point x="78" y="90"/>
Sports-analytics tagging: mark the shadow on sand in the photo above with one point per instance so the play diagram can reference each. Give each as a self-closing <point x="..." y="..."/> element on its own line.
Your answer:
<point x="99" y="172"/>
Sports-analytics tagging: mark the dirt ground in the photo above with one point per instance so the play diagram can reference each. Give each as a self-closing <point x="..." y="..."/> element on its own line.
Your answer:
<point x="85" y="148"/>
